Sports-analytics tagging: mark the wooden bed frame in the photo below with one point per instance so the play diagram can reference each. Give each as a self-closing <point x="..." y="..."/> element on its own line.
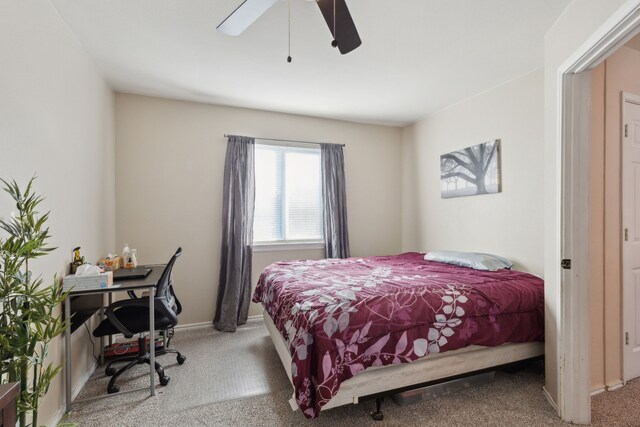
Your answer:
<point x="376" y="380"/>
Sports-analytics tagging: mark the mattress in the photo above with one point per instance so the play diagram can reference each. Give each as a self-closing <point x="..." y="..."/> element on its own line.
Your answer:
<point x="339" y="317"/>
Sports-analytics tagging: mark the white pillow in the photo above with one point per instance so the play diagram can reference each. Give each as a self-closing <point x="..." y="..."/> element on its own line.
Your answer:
<point x="475" y="260"/>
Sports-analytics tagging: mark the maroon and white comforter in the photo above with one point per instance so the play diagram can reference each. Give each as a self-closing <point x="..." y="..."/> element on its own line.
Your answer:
<point x="341" y="316"/>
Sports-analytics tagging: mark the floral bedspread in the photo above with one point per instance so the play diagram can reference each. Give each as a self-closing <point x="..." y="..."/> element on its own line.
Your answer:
<point x="341" y="316"/>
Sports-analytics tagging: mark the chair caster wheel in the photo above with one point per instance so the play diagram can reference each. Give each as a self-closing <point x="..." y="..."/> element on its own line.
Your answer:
<point x="181" y="359"/>
<point x="110" y="372"/>
<point x="377" y="416"/>
<point x="113" y="389"/>
<point x="164" y="380"/>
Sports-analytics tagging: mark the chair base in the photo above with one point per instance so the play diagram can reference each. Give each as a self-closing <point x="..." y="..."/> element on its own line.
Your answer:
<point x="143" y="356"/>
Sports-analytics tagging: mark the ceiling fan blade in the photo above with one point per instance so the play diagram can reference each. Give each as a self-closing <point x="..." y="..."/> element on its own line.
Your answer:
<point x="244" y="15"/>
<point x="346" y="33"/>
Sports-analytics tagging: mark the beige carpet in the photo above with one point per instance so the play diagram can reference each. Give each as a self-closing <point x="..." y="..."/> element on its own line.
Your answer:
<point x="619" y="408"/>
<point x="237" y="380"/>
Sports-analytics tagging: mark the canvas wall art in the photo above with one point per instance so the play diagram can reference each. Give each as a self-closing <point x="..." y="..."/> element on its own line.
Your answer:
<point x="471" y="171"/>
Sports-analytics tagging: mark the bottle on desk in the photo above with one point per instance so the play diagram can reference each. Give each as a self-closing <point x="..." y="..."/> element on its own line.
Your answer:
<point x="126" y="257"/>
<point x="134" y="258"/>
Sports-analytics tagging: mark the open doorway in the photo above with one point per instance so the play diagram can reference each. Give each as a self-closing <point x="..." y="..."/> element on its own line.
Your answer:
<point x="591" y="347"/>
<point x="630" y="133"/>
<point x="615" y="219"/>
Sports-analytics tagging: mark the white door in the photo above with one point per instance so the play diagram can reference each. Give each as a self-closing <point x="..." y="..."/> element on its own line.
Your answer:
<point x="631" y="235"/>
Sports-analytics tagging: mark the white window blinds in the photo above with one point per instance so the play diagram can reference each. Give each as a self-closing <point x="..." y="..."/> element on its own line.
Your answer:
<point x="288" y="205"/>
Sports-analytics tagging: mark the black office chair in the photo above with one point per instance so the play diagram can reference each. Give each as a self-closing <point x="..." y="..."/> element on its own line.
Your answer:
<point x="131" y="316"/>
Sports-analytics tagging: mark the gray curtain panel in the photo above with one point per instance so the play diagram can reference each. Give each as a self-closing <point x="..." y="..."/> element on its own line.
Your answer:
<point x="234" y="289"/>
<point x="336" y="234"/>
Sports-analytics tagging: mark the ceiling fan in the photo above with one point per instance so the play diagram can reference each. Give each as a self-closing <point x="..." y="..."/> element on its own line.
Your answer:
<point x="335" y="12"/>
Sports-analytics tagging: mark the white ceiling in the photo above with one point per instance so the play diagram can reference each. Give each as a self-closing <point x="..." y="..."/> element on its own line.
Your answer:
<point x="417" y="56"/>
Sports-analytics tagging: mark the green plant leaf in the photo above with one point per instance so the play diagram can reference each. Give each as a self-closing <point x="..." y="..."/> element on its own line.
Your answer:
<point x="27" y="307"/>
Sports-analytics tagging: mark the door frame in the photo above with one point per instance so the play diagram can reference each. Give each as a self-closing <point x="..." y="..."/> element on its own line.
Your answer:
<point x="574" y="397"/>
<point x="631" y="98"/>
<point x="573" y="77"/>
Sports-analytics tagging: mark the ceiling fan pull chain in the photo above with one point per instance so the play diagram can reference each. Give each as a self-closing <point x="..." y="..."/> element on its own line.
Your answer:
<point x="334" y="43"/>
<point x="289" y="57"/>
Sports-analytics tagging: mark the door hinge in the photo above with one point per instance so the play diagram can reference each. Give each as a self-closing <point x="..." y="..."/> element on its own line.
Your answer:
<point x="626" y="338"/>
<point x="566" y="264"/>
<point x="626" y="234"/>
<point x="626" y="130"/>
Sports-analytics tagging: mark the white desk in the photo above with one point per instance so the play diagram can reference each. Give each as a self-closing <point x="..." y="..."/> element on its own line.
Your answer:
<point x="148" y="283"/>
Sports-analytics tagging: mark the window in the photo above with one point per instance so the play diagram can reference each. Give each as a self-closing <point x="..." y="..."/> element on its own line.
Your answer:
<point x="288" y="206"/>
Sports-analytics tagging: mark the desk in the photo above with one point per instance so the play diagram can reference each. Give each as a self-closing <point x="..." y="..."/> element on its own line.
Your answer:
<point x="149" y="283"/>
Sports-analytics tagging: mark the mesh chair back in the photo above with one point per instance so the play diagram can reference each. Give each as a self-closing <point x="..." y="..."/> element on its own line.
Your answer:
<point x="164" y="289"/>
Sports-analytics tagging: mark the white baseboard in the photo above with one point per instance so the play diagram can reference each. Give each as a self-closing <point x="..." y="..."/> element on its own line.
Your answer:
<point x="552" y="402"/>
<point x="596" y="391"/>
<point x="209" y="324"/>
<point x="199" y="325"/>
<point x="75" y="392"/>
<point x="186" y="327"/>
<point x="614" y="386"/>
<point x="58" y="416"/>
<point x="189" y="326"/>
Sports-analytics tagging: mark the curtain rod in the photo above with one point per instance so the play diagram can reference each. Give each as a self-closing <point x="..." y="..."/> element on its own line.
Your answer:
<point x="287" y="140"/>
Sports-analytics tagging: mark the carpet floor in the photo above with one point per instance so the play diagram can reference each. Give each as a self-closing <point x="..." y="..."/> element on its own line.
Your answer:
<point x="238" y="380"/>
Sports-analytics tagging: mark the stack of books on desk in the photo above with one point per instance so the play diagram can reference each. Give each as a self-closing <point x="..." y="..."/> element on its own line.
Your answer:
<point x="85" y="283"/>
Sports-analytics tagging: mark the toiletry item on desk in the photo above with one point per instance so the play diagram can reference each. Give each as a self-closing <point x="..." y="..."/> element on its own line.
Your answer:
<point x="134" y="257"/>
<point x="128" y="256"/>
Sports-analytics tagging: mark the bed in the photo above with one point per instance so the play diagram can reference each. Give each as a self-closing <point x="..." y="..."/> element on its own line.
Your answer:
<point x="347" y="328"/>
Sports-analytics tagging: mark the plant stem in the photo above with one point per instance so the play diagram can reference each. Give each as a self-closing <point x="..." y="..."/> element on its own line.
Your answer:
<point x="24" y="372"/>
<point x="35" y="398"/>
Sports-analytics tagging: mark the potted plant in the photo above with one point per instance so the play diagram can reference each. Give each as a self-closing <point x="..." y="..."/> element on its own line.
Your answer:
<point x="29" y="318"/>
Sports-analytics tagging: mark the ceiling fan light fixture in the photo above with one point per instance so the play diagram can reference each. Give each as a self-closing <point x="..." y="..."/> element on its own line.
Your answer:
<point x="335" y="12"/>
<point x="244" y="15"/>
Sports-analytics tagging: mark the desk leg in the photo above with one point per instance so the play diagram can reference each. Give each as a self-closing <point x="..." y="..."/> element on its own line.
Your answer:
<point x="152" y="342"/>
<point x="67" y="351"/>
<point x="102" y="337"/>
<point x="110" y="302"/>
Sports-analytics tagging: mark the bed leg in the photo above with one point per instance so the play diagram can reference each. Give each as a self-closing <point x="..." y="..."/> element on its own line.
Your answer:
<point x="377" y="415"/>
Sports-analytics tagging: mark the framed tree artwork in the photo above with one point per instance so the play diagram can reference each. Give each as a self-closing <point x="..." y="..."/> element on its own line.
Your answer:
<point x="471" y="171"/>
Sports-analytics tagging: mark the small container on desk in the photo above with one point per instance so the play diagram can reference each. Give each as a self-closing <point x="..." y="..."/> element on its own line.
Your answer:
<point x="110" y="264"/>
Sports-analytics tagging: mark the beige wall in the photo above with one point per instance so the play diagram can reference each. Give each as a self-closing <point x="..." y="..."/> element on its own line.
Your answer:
<point x="619" y="73"/>
<point x="579" y="21"/>
<point x="169" y="170"/>
<point x="508" y="223"/>
<point x="56" y="121"/>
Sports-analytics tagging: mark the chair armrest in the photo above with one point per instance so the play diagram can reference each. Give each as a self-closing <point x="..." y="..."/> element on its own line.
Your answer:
<point x="115" y="321"/>
<point x="132" y="295"/>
